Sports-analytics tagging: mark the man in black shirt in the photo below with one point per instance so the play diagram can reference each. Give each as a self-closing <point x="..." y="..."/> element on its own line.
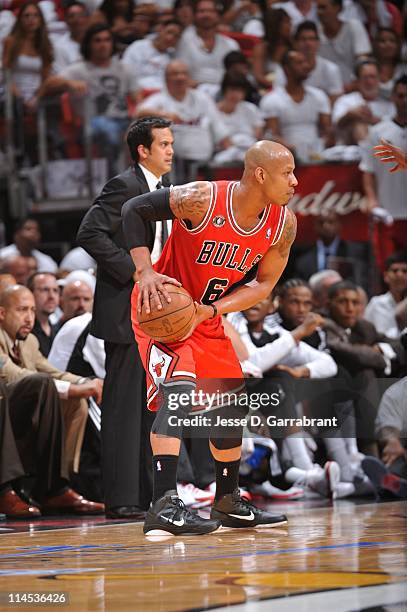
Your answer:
<point x="46" y="294"/>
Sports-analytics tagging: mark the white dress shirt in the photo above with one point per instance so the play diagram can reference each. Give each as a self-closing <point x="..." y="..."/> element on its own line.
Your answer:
<point x="152" y="182"/>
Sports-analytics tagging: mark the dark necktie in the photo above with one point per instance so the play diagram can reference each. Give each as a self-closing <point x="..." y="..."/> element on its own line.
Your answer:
<point x="264" y="339"/>
<point x="16" y="354"/>
<point x="164" y="227"/>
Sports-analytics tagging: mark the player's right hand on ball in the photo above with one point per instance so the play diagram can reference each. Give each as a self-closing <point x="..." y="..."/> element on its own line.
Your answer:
<point x="152" y="292"/>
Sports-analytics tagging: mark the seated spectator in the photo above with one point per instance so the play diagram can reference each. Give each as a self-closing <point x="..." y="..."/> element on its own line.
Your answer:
<point x="202" y="48"/>
<point x="331" y="251"/>
<point x="242" y="119"/>
<point x="6" y="280"/>
<point x="324" y="74"/>
<point x="268" y="54"/>
<point x="235" y="62"/>
<point x="381" y="310"/>
<point x="148" y="58"/>
<point x="27" y="238"/>
<point x="390" y="474"/>
<point x="387" y="49"/>
<point x="118" y="16"/>
<point x="283" y="357"/>
<point x="21" y="357"/>
<point x="45" y="290"/>
<point x="32" y="462"/>
<point x="103" y="80"/>
<point x="77" y="259"/>
<point x="299" y="11"/>
<point x="184" y="12"/>
<point x="67" y="47"/>
<point x="356" y="345"/>
<point x="355" y="112"/>
<point x="75" y="350"/>
<point x="27" y="54"/>
<point x="16" y="266"/>
<point x="341" y="42"/>
<point x="297" y="115"/>
<point x="196" y="125"/>
<point x="320" y="283"/>
<point x="373" y="14"/>
<point x="381" y="188"/>
<point x="76" y="299"/>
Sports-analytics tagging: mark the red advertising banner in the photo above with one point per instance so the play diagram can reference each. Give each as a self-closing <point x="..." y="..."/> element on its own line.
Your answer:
<point x="335" y="187"/>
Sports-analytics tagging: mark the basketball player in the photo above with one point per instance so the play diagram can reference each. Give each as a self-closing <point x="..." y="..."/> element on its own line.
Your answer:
<point x="388" y="153"/>
<point x="221" y="231"/>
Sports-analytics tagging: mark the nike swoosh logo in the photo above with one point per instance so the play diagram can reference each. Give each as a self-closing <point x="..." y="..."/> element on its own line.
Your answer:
<point x="249" y="517"/>
<point x="176" y="523"/>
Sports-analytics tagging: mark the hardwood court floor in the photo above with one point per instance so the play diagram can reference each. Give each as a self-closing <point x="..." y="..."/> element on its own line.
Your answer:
<point x="343" y="557"/>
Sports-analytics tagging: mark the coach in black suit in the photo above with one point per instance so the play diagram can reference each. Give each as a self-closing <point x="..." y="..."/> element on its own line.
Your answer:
<point x="350" y="259"/>
<point x="126" y="453"/>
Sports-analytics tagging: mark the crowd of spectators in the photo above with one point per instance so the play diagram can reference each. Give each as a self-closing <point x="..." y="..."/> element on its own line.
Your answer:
<point x="315" y="75"/>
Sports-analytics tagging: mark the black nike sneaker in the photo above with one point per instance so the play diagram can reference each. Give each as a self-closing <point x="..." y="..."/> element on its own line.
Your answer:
<point x="169" y="515"/>
<point x="233" y="511"/>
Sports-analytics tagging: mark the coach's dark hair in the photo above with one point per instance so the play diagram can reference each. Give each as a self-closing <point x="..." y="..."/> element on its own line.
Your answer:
<point x="31" y="279"/>
<point x="306" y="25"/>
<point x="89" y="34"/>
<point x="292" y="283"/>
<point x="395" y="258"/>
<point x="235" y="80"/>
<point x="343" y="285"/>
<point x="141" y="133"/>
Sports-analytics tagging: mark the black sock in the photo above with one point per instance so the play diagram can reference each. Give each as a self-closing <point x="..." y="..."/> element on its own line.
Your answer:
<point x="164" y="474"/>
<point x="227" y="477"/>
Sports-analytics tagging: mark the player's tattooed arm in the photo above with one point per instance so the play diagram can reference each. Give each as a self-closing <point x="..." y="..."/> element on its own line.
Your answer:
<point x="191" y="201"/>
<point x="288" y="235"/>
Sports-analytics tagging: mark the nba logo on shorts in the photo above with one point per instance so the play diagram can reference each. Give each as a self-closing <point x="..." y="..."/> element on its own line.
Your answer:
<point x="225" y="472"/>
<point x="268" y="233"/>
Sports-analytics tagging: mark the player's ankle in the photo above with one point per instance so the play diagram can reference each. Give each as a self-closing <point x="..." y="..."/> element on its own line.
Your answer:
<point x="164" y="475"/>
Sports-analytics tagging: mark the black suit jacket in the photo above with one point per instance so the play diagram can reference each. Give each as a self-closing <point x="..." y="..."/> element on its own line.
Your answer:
<point x="306" y="264"/>
<point x="101" y="235"/>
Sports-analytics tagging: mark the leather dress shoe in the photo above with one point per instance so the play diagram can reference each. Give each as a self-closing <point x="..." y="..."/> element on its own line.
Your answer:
<point x="70" y="502"/>
<point x="14" y="507"/>
<point x="126" y="512"/>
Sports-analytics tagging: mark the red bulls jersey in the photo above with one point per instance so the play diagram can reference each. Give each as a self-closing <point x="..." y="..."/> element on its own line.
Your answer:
<point x="211" y="257"/>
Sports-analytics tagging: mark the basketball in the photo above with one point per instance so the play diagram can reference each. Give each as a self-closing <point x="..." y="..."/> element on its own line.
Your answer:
<point x="172" y="322"/>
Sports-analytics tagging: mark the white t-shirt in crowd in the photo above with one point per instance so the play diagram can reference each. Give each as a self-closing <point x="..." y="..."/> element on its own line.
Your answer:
<point x="245" y="120"/>
<point x="299" y="121"/>
<point x="391" y="188"/>
<point x="296" y="15"/>
<point x="345" y="103"/>
<point x="325" y="76"/>
<point x="147" y="63"/>
<point x="201" y="127"/>
<point x="381" y="312"/>
<point x="45" y="262"/>
<point x="205" y="66"/>
<point x="66" y="51"/>
<point x="351" y="41"/>
<point x="108" y="87"/>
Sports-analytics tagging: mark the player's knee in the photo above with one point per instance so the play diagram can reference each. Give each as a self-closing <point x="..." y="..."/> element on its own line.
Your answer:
<point x="227" y="431"/>
<point x="176" y="402"/>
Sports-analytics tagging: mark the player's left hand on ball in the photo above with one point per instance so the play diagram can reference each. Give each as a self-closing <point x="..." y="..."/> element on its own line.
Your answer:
<point x="202" y="313"/>
<point x="152" y="291"/>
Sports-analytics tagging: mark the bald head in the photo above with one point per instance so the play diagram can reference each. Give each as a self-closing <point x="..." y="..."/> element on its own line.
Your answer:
<point x="269" y="172"/>
<point x="17" y="311"/>
<point x="76" y="299"/>
<point x="266" y="152"/>
<point x="17" y="266"/>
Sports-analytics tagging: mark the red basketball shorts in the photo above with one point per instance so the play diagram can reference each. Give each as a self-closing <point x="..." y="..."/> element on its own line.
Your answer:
<point x="206" y="359"/>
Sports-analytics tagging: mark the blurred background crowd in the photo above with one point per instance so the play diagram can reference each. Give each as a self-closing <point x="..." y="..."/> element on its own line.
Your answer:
<point x="328" y="79"/>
